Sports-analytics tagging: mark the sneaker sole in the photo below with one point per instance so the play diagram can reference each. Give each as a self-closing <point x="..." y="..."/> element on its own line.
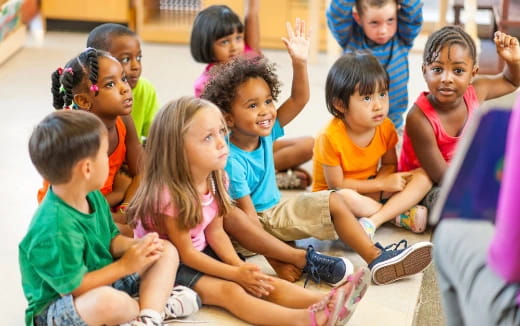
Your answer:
<point x="412" y="260"/>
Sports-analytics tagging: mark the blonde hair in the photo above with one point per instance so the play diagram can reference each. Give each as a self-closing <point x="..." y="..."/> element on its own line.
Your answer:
<point x="166" y="167"/>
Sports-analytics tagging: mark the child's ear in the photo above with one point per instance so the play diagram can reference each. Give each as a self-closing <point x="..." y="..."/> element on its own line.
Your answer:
<point x="474" y="71"/>
<point x="339" y="105"/>
<point x="230" y="122"/>
<point x="84" y="168"/>
<point x="83" y="101"/>
<point x="423" y="68"/>
<point x="356" y="17"/>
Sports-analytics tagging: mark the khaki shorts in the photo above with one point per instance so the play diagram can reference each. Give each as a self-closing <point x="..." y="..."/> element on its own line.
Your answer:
<point x="306" y="215"/>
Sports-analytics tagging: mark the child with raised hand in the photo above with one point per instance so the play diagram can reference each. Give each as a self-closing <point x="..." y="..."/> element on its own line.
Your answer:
<point x="219" y="36"/>
<point x="76" y="268"/>
<point x="437" y="118"/>
<point x="124" y="45"/>
<point x="186" y="202"/>
<point x="94" y="81"/>
<point x="246" y="90"/>
<point x="387" y="28"/>
<point x="357" y="148"/>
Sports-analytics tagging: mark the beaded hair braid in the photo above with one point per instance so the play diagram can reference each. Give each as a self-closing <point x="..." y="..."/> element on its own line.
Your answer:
<point x="71" y="79"/>
<point x="446" y="37"/>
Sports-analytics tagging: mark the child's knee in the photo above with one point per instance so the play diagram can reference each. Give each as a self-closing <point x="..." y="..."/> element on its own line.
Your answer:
<point x="108" y="301"/>
<point x="170" y="252"/>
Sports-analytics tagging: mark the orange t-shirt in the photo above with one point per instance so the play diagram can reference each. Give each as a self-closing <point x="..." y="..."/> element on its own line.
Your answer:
<point x="333" y="147"/>
<point x="115" y="160"/>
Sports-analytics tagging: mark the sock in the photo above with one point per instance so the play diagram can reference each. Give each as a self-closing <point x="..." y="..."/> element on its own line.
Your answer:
<point x="151" y="315"/>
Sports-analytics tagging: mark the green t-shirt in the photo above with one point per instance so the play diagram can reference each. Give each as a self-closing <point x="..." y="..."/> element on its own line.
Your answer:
<point x="61" y="246"/>
<point x="145" y="107"/>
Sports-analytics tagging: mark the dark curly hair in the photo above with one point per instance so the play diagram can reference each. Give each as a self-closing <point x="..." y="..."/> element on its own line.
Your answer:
<point x="226" y="78"/>
<point x="446" y="37"/>
<point x="74" y="77"/>
<point x="101" y="37"/>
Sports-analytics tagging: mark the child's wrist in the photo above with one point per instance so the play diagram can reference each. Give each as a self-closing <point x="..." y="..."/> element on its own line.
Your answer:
<point x="121" y="208"/>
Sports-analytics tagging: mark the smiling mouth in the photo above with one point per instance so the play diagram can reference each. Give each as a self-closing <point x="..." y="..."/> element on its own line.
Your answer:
<point x="265" y="123"/>
<point x="128" y="101"/>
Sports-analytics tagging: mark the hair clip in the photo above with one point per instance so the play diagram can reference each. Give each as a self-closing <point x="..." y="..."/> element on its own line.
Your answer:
<point x="69" y="70"/>
<point x="62" y="89"/>
<point x="94" y="88"/>
<point x="59" y="70"/>
<point x="67" y="107"/>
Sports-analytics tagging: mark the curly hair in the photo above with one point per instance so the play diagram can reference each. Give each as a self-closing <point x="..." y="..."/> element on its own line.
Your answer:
<point x="226" y="78"/>
<point x="447" y="37"/>
<point x="101" y="37"/>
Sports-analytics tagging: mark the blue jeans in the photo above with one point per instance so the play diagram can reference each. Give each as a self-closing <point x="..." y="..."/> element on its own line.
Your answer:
<point x="62" y="311"/>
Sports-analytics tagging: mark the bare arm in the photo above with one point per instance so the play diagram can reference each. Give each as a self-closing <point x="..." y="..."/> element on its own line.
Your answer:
<point x="219" y="241"/>
<point x="298" y="47"/>
<point x="509" y="80"/>
<point x="136" y="256"/>
<point x="134" y="150"/>
<point x="424" y="145"/>
<point x="252" y="25"/>
<point x="246" y="205"/>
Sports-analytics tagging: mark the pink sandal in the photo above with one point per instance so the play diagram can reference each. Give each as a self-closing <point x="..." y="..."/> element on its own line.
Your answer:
<point x="359" y="282"/>
<point x="323" y="305"/>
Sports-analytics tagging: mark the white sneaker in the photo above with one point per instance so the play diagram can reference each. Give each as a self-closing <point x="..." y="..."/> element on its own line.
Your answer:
<point x="182" y="302"/>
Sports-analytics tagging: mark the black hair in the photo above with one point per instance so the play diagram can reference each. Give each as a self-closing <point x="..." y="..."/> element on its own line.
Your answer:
<point x="362" y="5"/>
<point x="358" y="70"/>
<point x="210" y="25"/>
<point x="73" y="77"/>
<point x="446" y="37"/>
<point x="226" y="78"/>
<point x="62" y="139"/>
<point x="101" y="36"/>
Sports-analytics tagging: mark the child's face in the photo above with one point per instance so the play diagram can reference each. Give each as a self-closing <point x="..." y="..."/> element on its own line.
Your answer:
<point x="229" y="46"/>
<point x="366" y="111"/>
<point x="205" y="143"/>
<point x="450" y="74"/>
<point x="127" y="49"/>
<point x="115" y="95"/>
<point x="379" y="24"/>
<point x="100" y="166"/>
<point x="253" y="112"/>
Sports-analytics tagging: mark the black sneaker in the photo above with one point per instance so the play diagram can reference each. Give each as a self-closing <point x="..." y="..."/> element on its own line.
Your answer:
<point x="394" y="263"/>
<point x="333" y="270"/>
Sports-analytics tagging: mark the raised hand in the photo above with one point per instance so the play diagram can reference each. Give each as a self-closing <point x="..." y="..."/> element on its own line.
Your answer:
<point x="507" y="47"/>
<point x="142" y="253"/>
<point x="253" y="280"/>
<point x="298" y="41"/>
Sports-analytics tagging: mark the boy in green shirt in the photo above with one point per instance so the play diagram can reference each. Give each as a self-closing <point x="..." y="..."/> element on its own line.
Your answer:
<point x="76" y="268"/>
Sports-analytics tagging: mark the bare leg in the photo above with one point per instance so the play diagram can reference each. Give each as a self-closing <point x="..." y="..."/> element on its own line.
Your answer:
<point x="400" y="202"/>
<point x="106" y="305"/>
<point x="157" y="281"/>
<point x="249" y="308"/>
<point x="360" y="205"/>
<point x="292" y="152"/>
<point x="349" y="230"/>
<point x="287" y="261"/>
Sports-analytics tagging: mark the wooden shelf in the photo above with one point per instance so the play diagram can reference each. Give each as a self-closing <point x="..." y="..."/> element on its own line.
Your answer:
<point x="12" y="43"/>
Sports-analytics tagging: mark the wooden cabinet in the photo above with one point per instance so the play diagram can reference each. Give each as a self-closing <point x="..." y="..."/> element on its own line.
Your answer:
<point x="116" y="11"/>
<point x="157" y="22"/>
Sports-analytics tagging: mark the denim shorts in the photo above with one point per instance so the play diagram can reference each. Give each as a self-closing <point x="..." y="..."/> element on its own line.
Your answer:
<point x="62" y="311"/>
<point x="188" y="276"/>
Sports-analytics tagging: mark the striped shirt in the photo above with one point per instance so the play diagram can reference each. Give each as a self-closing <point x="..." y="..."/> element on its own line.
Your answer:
<point x="393" y="55"/>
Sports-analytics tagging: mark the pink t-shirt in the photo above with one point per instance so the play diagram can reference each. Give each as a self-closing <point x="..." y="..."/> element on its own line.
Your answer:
<point x="200" y="83"/>
<point x="198" y="237"/>
<point x="408" y="160"/>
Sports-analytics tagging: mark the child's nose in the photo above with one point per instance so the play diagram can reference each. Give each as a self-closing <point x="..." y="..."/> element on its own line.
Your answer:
<point x="446" y="76"/>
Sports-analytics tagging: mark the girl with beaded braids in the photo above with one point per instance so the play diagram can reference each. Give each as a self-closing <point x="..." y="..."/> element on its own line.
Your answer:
<point x="437" y="119"/>
<point x="94" y="81"/>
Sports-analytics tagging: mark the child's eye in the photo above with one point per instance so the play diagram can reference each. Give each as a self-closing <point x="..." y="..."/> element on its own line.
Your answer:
<point x="268" y="101"/>
<point x="139" y="58"/>
<point x="110" y="84"/>
<point x="367" y="98"/>
<point x="124" y="60"/>
<point x="239" y="38"/>
<point x="436" y="69"/>
<point x="124" y="79"/>
<point x="252" y="106"/>
<point x="208" y="137"/>
<point x="391" y="20"/>
<point x="459" y="71"/>
<point x="383" y="94"/>
<point x="223" y="131"/>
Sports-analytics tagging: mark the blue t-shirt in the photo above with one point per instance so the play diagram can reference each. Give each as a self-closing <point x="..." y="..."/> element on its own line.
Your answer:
<point x="253" y="174"/>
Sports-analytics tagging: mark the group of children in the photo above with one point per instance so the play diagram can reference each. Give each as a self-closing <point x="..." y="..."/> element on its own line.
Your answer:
<point x="205" y="183"/>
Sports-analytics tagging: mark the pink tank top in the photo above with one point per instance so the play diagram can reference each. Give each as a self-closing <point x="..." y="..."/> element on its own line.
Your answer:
<point x="446" y="143"/>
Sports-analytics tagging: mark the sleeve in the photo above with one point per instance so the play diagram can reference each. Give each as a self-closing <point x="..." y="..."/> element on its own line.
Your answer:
<point x="152" y="106"/>
<point x="324" y="151"/>
<point x="103" y="206"/>
<point x="277" y="130"/>
<point x="238" y="186"/>
<point x="64" y="268"/>
<point x="409" y="19"/>
<point x="340" y="20"/>
<point x="390" y="134"/>
<point x="505" y="248"/>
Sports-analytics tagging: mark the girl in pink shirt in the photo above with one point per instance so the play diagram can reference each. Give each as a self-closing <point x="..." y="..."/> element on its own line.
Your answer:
<point x="183" y="197"/>
<point x="217" y="37"/>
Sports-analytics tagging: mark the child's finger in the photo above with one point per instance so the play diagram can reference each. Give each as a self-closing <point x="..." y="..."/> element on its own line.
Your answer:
<point x="290" y="31"/>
